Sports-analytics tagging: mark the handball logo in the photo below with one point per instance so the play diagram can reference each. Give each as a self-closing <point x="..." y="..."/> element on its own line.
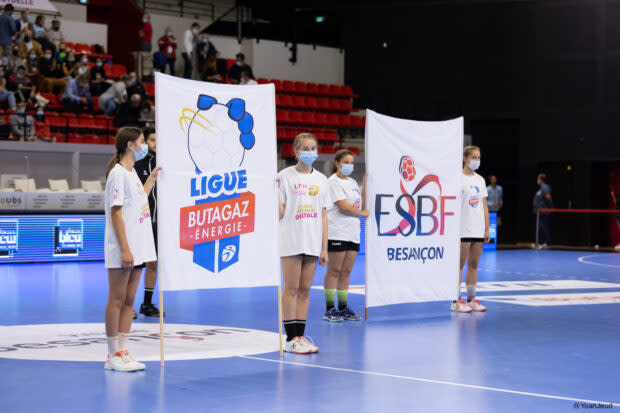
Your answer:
<point x="313" y="190"/>
<point x="406" y="169"/>
<point x="474" y="197"/>
<point x="228" y="253"/>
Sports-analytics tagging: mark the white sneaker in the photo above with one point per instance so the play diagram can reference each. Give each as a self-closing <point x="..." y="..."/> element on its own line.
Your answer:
<point x="475" y="305"/>
<point x="309" y="344"/>
<point x="460" y="307"/>
<point x="120" y="362"/>
<point x="294" y="346"/>
<point x="141" y="366"/>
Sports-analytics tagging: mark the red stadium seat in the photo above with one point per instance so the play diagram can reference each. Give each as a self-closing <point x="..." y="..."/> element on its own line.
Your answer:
<point x="287" y="150"/>
<point x="332" y="119"/>
<point x="344" y="121"/>
<point x="345" y="105"/>
<point x="347" y="91"/>
<point x="299" y="102"/>
<point x="320" y="118"/>
<point x="70" y="45"/>
<point x="355" y="150"/>
<point x="333" y="104"/>
<point x="277" y="84"/>
<point x="150" y="89"/>
<point x="74" y="138"/>
<point x="283" y="116"/>
<point x="295" y="116"/>
<point x="56" y="121"/>
<point x="311" y="102"/>
<point x="308" y="118"/>
<point x="327" y="149"/>
<point x="262" y="81"/>
<point x="279" y="101"/>
<point x="311" y="88"/>
<point x="300" y="87"/>
<point x="335" y="90"/>
<point x="332" y="135"/>
<point x="322" y="89"/>
<point x="288" y="86"/>
<point x="322" y="103"/>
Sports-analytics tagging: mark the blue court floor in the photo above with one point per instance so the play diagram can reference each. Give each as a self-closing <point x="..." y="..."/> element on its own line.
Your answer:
<point x="549" y="342"/>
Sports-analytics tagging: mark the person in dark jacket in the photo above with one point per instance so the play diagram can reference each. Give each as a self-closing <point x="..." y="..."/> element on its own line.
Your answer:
<point x="543" y="199"/>
<point x="144" y="168"/>
<point x="129" y="112"/>
<point x="234" y="73"/>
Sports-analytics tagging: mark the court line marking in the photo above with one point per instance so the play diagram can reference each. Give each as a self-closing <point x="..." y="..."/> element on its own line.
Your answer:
<point x="583" y="261"/>
<point x="449" y="383"/>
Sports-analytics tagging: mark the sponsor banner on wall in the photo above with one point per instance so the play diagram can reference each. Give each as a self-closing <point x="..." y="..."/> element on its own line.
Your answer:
<point x="414" y="181"/>
<point x="34" y="5"/>
<point x="217" y="210"/>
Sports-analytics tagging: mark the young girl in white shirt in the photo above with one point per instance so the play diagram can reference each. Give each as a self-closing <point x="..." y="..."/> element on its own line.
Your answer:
<point x="343" y="220"/>
<point x="128" y="242"/>
<point x="304" y="199"/>
<point x="474" y="228"/>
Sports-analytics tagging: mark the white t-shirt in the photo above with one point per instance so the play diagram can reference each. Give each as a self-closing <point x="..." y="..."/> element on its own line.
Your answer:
<point x="301" y="227"/>
<point x="123" y="188"/>
<point x="473" y="190"/>
<point x="342" y="227"/>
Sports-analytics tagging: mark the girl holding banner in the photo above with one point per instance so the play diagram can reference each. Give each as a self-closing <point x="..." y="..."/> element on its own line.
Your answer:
<point x="304" y="199"/>
<point x="344" y="235"/>
<point x="474" y="228"/>
<point x="128" y="242"/>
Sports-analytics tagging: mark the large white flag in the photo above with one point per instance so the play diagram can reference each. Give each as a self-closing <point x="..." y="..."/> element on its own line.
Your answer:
<point x="217" y="204"/>
<point x="413" y="193"/>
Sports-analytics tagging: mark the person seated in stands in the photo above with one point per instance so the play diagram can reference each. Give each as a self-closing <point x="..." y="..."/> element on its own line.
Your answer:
<point x="41" y="34"/>
<point x="29" y="44"/>
<point x="82" y="65"/>
<point x="32" y="68"/>
<point x="246" y="79"/>
<point x="22" y="125"/>
<point x="204" y="51"/>
<point x="116" y="94"/>
<point x="7" y="97"/>
<point x="21" y="85"/>
<point x="70" y="66"/>
<point x="134" y="86"/>
<point x="234" y="74"/>
<point x="77" y="95"/>
<point x="14" y="60"/>
<point x="41" y="127"/>
<point x="50" y="74"/>
<point x="22" y="24"/>
<point x="62" y="53"/>
<point x="56" y="36"/>
<point x="210" y="74"/>
<point x="129" y="112"/>
<point x="98" y="80"/>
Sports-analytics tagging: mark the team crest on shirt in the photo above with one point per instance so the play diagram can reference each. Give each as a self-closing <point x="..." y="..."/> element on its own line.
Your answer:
<point x="218" y="137"/>
<point x="313" y="190"/>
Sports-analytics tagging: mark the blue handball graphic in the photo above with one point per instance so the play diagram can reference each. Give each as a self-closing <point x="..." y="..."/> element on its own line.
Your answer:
<point x="218" y="134"/>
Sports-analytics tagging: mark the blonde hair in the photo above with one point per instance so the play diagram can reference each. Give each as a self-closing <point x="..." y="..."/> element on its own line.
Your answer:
<point x="468" y="151"/>
<point x="301" y="137"/>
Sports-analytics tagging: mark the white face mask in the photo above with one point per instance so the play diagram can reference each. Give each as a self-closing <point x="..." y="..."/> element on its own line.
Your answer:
<point x="195" y="32"/>
<point x="473" y="164"/>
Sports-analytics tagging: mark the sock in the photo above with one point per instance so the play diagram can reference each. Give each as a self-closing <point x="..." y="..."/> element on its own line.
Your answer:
<point x="330" y="293"/>
<point x="471" y="292"/>
<point x="123" y="341"/>
<point x="301" y="327"/>
<point x="290" y="328"/>
<point x="148" y="295"/>
<point x="342" y="299"/>
<point x="112" y="345"/>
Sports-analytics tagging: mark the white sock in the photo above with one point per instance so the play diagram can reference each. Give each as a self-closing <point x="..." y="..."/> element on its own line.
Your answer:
<point x="471" y="292"/>
<point x="112" y="345"/>
<point x="123" y="341"/>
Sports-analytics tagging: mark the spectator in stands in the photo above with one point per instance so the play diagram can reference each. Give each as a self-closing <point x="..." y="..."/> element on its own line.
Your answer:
<point x="189" y="45"/>
<point x="110" y="100"/>
<point x="21" y="84"/>
<point x="41" y="127"/>
<point x="22" y="125"/>
<point x="168" y="47"/>
<point x="210" y="71"/>
<point x="56" y="36"/>
<point x="28" y="44"/>
<point x="40" y="33"/>
<point x="50" y="74"/>
<point x="146" y="33"/>
<point x="204" y="51"/>
<point x="23" y="22"/>
<point x="62" y="52"/>
<point x="82" y="64"/>
<point x="70" y="66"/>
<point x="98" y="81"/>
<point x="14" y="60"/>
<point x="246" y="79"/>
<point x="234" y="74"/>
<point x="32" y="67"/>
<point x="129" y="112"/>
<point x="134" y="86"/>
<point x="7" y="29"/>
<point x="6" y="96"/>
<point x="77" y="95"/>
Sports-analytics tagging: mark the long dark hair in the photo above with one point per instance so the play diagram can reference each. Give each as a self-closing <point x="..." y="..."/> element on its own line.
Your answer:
<point x="124" y="135"/>
<point x="338" y="158"/>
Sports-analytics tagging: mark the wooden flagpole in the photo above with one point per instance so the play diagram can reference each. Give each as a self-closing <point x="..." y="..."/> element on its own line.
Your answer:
<point x="280" y="318"/>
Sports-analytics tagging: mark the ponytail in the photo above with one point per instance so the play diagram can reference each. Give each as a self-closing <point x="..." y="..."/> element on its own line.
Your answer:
<point x="113" y="161"/>
<point x="123" y="137"/>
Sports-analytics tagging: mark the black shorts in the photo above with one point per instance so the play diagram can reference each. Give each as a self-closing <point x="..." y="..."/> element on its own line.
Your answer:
<point x="472" y="240"/>
<point x="339" y="246"/>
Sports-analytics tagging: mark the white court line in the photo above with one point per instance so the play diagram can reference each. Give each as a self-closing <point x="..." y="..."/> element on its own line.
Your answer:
<point x="583" y="261"/>
<point x="449" y="383"/>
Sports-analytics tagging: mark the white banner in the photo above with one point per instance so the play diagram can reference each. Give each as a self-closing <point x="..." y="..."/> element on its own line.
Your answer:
<point x="217" y="204"/>
<point x="34" y="5"/>
<point x="413" y="240"/>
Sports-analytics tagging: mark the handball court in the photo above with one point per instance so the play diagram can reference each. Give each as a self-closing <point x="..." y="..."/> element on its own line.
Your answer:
<point x="548" y="342"/>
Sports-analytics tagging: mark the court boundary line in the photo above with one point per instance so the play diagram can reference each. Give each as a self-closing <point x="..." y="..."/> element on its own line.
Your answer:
<point x="583" y="261"/>
<point x="420" y="379"/>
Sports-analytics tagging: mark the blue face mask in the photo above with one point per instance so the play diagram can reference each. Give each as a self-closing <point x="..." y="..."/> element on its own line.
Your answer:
<point x="144" y="149"/>
<point x="40" y="113"/>
<point x="308" y="157"/>
<point x="20" y="111"/>
<point x="71" y="59"/>
<point x="347" y="169"/>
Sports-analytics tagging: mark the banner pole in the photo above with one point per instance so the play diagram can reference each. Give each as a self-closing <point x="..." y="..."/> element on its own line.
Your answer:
<point x="161" y="326"/>
<point x="280" y="319"/>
